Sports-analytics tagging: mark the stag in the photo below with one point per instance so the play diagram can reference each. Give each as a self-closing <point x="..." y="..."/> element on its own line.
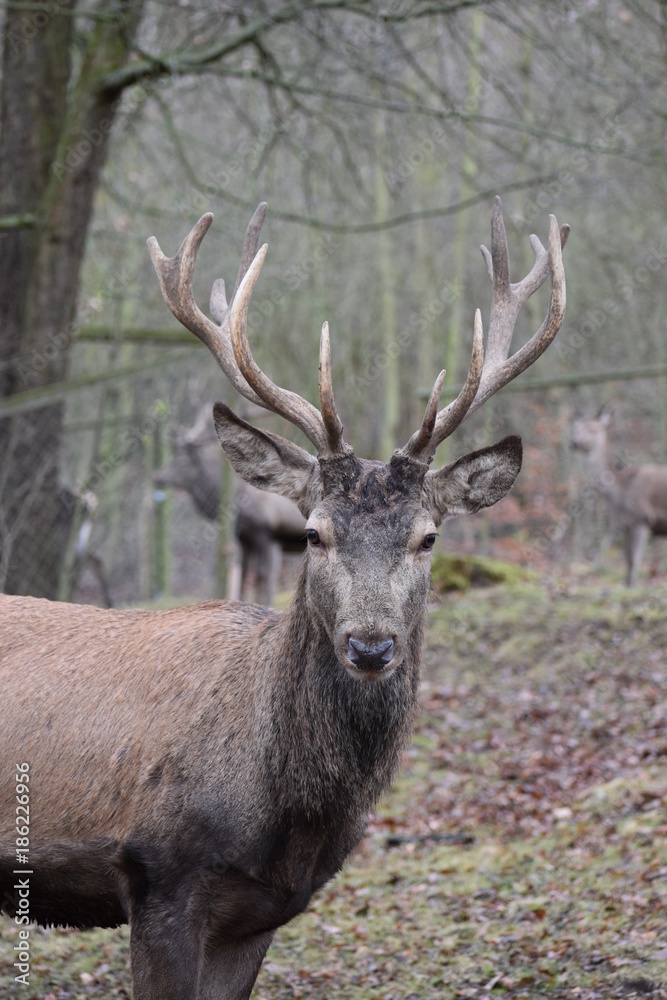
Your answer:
<point x="265" y="524"/>
<point x="636" y="495"/>
<point x="200" y="772"/>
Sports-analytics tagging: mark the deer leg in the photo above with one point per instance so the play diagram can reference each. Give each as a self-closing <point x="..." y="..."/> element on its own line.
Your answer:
<point x="235" y="576"/>
<point x="246" y="563"/>
<point x="166" y="931"/>
<point x="636" y="538"/>
<point x="97" y="567"/>
<point x="166" y="954"/>
<point x="230" y="969"/>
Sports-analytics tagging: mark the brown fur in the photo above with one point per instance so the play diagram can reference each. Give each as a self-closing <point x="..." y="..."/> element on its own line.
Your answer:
<point x="636" y="495"/>
<point x="202" y="771"/>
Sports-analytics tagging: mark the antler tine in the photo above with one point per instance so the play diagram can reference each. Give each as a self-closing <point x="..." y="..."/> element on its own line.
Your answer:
<point x="423" y="444"/>
<point x="228" y="341"/>
<point x="332" y="421"/>
<point x="498" y="373"/>
<point x="421" y="438"/>
<point x="282" y="401"/>
<point x="488" y="374"/>
<point x="175" y="277"/>
<point x="455" y="412"/>
<point x="508" y="299"/>
<point x="250" y="243"/>
<point x="218" y="304"/>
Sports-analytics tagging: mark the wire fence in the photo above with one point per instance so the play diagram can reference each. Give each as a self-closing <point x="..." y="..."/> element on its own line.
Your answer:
<point x="101" y="530"/>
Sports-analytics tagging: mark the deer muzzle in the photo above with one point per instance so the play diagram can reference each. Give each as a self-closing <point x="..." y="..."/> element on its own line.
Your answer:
<point x="370" y="658"/>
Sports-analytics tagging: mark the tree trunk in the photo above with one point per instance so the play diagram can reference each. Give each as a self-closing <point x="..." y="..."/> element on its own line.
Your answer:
<point x="54" y="133"/>
<point x="389" y="320"/>
<point x="459" y="330"/>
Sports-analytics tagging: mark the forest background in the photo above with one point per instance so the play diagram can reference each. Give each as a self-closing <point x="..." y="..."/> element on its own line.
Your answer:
<point x="378" y="134"/>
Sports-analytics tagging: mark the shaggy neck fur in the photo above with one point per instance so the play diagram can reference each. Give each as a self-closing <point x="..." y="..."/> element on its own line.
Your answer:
<point x="337" y="742"/>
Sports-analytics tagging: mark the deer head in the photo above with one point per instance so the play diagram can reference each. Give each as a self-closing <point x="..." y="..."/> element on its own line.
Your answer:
<point x="370" y="525"/>
<point x="590" y="434"/>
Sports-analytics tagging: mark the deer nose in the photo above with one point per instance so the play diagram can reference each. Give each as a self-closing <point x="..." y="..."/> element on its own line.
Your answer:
<point x="370" y="657"/>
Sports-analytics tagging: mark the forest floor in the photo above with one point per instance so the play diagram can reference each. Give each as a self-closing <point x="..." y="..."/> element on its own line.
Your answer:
<point x="522" y="852"/>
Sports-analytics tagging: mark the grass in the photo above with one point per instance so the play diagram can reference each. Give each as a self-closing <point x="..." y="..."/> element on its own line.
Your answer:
<point x="521" y="853"/>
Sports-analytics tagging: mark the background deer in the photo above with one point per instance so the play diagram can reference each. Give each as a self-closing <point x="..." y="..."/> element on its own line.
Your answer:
<point x="265" y="524"/>
<point x="636" y="495"/>
<point x="200" y="772"/>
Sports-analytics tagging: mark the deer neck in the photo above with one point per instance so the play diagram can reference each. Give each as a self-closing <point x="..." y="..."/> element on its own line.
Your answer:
<point x="601" y="466"/>
<point x="205" y="496"/>
<point x="344" y="737"/>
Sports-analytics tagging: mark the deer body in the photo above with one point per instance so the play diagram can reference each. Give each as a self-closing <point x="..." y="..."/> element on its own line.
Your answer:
<point x="226" y="750"/>
<point x="637" y="494"/>
<point x="225" y="770"/>
<point x="201" y="772"/>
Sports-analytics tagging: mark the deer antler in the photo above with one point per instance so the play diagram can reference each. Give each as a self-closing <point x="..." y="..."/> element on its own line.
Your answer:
<point x="488" y="374"/>
<point x="227" y="339"/>
<point x="323" y="429"/>
<point x="175" y="276"/>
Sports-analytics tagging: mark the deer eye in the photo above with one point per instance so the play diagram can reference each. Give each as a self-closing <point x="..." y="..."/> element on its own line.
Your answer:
<point x="313" y="536"/>
<point x="429" y="541"/>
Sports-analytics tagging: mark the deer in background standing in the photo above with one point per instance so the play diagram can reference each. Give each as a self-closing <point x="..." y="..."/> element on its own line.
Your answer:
<point x="200" y="772"/>
<point x="636" y="495"/>
<point x="265" y="524"/>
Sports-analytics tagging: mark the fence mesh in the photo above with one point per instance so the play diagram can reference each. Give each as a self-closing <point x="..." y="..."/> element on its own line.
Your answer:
<point x="100" y="531"/>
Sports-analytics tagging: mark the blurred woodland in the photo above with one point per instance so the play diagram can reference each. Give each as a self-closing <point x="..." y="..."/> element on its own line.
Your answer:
<point x="378" y="134"/>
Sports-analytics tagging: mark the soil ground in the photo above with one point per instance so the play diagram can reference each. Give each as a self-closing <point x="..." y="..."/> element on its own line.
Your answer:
<point x="522" y="852"/>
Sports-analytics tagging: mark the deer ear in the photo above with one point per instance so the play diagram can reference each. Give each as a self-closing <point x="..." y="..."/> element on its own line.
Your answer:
<point x="474" y="481"/>
<point x="268" y="461"/>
